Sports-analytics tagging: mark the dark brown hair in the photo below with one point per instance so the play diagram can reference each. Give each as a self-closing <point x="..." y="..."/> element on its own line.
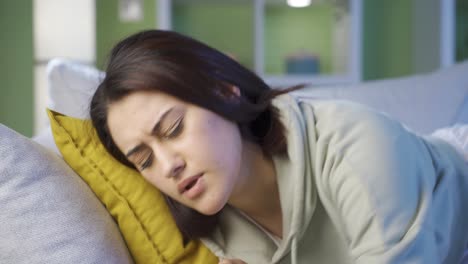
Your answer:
<point x="168" y="62"/>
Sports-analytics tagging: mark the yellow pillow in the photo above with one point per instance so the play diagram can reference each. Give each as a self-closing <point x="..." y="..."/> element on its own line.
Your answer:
<point x="138" y="208"/>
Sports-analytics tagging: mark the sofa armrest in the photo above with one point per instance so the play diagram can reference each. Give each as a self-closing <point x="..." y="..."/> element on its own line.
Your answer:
<point x="423" y="102"/>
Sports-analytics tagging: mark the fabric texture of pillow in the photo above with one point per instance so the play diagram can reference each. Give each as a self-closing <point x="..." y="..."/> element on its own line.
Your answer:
<point x="71" y="86"/>
<point x="139" y="208"/>
<point x="48" y="214"/>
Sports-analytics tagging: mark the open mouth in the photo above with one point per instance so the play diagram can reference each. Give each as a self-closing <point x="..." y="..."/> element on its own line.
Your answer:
<point x="188" y="183"/>
<point x="191" y="184"/>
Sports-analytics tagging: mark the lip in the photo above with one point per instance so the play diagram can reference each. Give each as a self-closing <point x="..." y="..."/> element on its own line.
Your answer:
<point x="186" y="182"/>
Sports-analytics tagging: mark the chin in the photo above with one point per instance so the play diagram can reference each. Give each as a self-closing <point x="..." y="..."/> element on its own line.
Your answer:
<point x="211" y="209"/>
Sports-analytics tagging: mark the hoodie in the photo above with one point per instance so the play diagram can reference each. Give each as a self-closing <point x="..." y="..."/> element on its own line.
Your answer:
<point x="355" y="187"/>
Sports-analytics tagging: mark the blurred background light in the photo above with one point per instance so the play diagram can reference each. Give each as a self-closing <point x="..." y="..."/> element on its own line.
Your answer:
<point x="299" y="3"/>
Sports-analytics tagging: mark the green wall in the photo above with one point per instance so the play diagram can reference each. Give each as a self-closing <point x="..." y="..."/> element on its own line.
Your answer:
<point x="387" y="35"/>
<point x="109" y="29"/>
<point x="16" y="66"/>
<point x="230" y="28"/>
<point x="387" y="43"/>
<point x="386" y="50"/>
<point x="289" y="31"/>
<point x="225" y="26"/>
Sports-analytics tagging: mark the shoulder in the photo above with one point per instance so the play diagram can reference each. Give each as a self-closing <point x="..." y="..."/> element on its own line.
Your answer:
<point x="345" y="126"/>
<point x="367" y="145"/>
<point x="334" y="115"/>
<point x="370" y="169"/>
<point x="346" y="116"/>
<point x="349" y="131"/>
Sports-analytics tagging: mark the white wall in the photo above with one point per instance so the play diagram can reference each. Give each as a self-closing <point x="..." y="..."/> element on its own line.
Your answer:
<point x="62" y="28"/>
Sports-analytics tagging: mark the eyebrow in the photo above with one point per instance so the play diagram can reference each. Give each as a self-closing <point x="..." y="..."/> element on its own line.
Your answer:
<point x="155" y="130"/>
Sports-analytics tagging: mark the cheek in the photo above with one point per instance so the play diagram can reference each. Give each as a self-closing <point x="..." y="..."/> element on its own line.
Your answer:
<point x="222" y="145"/>
<point x="155" y="181"/>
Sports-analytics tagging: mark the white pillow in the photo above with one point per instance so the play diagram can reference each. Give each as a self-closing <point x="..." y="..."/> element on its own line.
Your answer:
<point x="71" y="86"/>
<point x="47" y="213"/>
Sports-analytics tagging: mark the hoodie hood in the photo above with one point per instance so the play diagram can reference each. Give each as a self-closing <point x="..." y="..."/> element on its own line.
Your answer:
<point x="237" y="236"/>
<point x="297" y="191"/>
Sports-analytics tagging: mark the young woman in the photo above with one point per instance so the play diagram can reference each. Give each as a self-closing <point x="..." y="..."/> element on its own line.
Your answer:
<point x="264" y="176"/>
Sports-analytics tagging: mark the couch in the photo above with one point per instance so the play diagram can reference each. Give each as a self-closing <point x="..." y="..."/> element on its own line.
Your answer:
<point x="49" y="215"/>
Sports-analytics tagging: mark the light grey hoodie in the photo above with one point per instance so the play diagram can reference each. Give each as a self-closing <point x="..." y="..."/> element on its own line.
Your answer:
<point x="356" y="187"/>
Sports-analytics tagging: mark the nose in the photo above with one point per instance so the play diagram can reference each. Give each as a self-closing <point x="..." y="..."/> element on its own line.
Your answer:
<point x="171" y="163"/>
<point x="177" y="167"/>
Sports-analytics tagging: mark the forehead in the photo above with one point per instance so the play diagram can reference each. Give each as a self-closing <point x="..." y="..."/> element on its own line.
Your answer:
<point x="135" y="115"/>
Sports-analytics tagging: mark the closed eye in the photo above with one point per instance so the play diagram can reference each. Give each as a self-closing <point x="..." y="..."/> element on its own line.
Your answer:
<point x="147" y="162"/>
<point x="175" y="129"/>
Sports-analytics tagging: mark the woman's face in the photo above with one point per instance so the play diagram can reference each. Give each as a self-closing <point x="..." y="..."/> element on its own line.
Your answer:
<point x="189" y="153"/>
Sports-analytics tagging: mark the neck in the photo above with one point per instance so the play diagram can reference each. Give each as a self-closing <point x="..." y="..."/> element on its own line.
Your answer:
<point x="257" y="194"/>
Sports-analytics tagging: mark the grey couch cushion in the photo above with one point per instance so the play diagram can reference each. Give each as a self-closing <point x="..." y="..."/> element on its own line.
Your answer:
<point x="423" y="102"/>
<point x="47" y="214"/>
